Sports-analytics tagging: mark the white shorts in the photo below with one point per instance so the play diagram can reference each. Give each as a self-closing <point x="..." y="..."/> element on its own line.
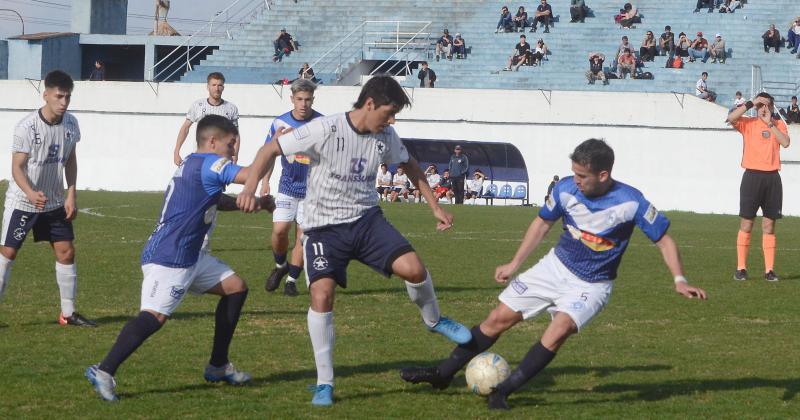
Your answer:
<point x="549" y="285"/>
<point x="288" y="209"/>
<point x="163" y="288"/>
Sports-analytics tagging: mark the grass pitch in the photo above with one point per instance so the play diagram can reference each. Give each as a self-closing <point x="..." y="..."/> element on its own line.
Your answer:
<point x="650" y="354"/>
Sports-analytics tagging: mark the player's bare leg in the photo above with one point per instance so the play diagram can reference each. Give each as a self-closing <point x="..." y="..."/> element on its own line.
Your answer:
<point x="7" y="257"/>
<point x="743" y="248"/>
<point x="323" y="337"/>
<point x="295" y="265"/>
<point x="67" y="279"/>
<point x="233" y="293"/>
<point x="419" y="286"/>
<point x="280" y="247"/>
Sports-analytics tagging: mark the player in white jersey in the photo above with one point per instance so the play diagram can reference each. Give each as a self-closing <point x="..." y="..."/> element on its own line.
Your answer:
<point x="342" y="219"/>
<point x="213" y="105"/>
<point x="42" y="156"/>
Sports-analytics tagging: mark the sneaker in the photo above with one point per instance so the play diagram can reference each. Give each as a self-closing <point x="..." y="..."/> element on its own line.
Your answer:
<point x="103" y="383"/>
<point x="533" y="29"/>
<point x="429" y="375"/>
<point x="275" y="277"/>
<point x="226" y="373"/>
<point x="547" y="30"/>
<point x="740" y="275"/>
<point x="506" y="68"/>
<point x="497" y="401"/>
<point x="454" y="331"/>
<point x="696" y="11"/>
<point x="323" y="396"/>
<point x="76" y="319"/>
<point x="290" y="288"/>
<point x="713" y="60"/>
<point x="770" y="276"/>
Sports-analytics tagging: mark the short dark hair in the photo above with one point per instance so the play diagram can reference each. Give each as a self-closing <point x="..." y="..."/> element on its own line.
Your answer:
<point x="59" y="79"/>
<point x="594" y="154"/>
<point x="794" y="97"/>
<point x="423" y="63"/>
<point x="383" y="90"/>
<point x="768" y="96"/>
<point x="523" y="36"/>
<point x="213" y="124"/>
<point x="215" y="75"/>
<point x="668" y="28"/>
<point x="705" y="73"/>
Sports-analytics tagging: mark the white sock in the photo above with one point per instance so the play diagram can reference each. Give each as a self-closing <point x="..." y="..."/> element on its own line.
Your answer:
<point x="67" y="278"/>
<point x="290" y="279"/>
<point x="5" y="273"/>
<point x="281" y="265"/>
<point x="425" y="297"/>
<point x="323" y="337"/>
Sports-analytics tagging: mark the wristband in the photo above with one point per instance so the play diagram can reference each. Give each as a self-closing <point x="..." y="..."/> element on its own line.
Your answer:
<point x="748" y="105"/>
<point x="681" y="279"/>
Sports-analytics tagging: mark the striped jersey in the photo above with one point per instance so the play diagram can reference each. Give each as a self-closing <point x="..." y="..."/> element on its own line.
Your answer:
<point x="48" y="147"/>
<point x="189" y="210"/>
<point x="294" y="168"/>
<point x="597" y="229"/>
<point x="343" y="165"/>
<point x="200" y="108"/>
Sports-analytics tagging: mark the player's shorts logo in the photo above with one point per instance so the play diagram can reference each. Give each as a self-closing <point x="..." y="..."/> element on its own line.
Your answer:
<point x="176" y="292"/>
<point x="320" y="263"/>
<point x="19" y="234"/>
<point x="577" y="305"/>
<point x="518" y="286"/>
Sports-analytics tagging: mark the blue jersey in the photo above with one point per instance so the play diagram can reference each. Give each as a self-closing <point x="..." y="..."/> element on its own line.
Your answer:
<point x="190" y="206"/>
<point x="597" y="230"/>
<point x="294" y="167"/>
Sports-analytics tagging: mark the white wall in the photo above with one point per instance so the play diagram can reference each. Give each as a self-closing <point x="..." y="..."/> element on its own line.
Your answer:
<point x="675" y="148"/>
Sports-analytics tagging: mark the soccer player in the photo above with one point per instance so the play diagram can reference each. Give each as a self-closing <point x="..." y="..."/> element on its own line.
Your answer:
<point x="291" y="191"/>
<point x="761" y="185"/>
<point x="213" y="105"/>
<point x="342" y="219"/>
<point x="573" y="281"/>
<point x="177" y="259"/>
<point x="42" y="155"/>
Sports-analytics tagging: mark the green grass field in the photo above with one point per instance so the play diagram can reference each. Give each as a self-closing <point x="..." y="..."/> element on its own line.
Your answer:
<point x="650" y="354"/>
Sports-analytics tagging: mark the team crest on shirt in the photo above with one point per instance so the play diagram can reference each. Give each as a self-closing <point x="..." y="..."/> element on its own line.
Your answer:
<point x="357" y="165"/>
<point x="380" y="147"/>
<point x="766" y="134"/>
<point x="320" y="263"/>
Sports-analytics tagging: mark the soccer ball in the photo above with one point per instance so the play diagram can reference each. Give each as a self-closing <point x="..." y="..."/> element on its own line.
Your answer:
<point x="485" y="371"/>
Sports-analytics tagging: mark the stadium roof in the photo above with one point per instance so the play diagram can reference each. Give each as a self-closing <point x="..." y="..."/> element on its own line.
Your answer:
<point x="42" y="35"/>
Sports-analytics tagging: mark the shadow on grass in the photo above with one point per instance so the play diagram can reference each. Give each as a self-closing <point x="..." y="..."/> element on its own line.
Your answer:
<point x="400" y="290"/>
<point x="180" y="316"/>
<point x="791" y="277"/>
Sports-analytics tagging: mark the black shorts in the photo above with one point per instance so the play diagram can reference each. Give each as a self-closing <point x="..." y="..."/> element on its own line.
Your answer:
<point x="372" y="240"/>
<point x="384" y="190"/>
<point x="51" y="226"/>
<point x="763" y="190"/>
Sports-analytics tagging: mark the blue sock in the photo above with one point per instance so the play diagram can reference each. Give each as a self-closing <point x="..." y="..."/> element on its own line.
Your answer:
<point x="279" y="259"/>
<point x="294" y="271"/>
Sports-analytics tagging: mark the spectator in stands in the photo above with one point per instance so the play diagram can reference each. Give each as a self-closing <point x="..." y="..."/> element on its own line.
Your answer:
<point x="521" y="55"/>
<point x="577" y="11"/>
<point x="551" y="187"/>
<point x="459" y="47"/>
<point x="399" y="185"/>
<point x="717" y="49"/>
<point x="520" y="20"/>
<point x="306" y="72"/>
<point x="444" y="190"/>
<point x="539" y="52"/>
<point x="703" y="4"/>
<point x="647" y="52"/>
<point x="504" y="24"/>
<point x="596" y="68"/>
<point x="383" y="182"/>
<point x="444" y="45"/>
<point x="737" y="101"/>
<point x="772" y="39"/>
<point x="666" y="43"/>
<point x="624" y="45"/>
<point x="426" y="75"/>
<point x="458" y="169"/>
<point x="98" y="72"/>
<point x="793" y="36"/>
<point x="630" y="16"/>
<point x="475" y="186"/>
<point x="701" y="89"/>
<point x="792" y="113"/>
<point x="543" y="14"/>
<point x="699" y="48"/>
<point x="683" y="45"/>
<point x="284" y="44"/>
<point x="626" y="64"/>
<point x="730" y="6"/>
<point x="432" y="176"/>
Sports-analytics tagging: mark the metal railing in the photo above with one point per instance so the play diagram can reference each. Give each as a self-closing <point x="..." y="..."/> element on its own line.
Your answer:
<point x="224" y="24"/>
<point x="756" y="81"/>
<point x="420" y="43"/>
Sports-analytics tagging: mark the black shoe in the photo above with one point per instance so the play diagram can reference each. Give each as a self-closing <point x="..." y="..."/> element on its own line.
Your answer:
<point x="275" y="277"/>
<point x="290" y="288"/>
<point x="76" y="320"/>
<point x="497" y="401"/>
<point x="696" y="11"/>
<point x="533" y="29"/>
<point x="740" y="275"/>
<point x="770" y="276"/>
<point x="547" y="30"/>
<point x="430" y="375"/>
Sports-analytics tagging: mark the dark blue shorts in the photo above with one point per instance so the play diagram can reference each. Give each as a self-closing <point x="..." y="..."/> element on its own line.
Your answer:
<point x="50" y="226"/>
<point x="372" y="240"/>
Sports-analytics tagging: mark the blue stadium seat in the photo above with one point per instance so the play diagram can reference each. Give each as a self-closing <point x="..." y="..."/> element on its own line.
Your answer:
<point x="506" y="191"/>
<point x="491" y="191"/>
<point x="521" y="192"/>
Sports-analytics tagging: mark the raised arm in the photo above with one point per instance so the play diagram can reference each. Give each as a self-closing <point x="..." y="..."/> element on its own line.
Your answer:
<point x="182" y="134"/>
<point x="672" y="258"/>
<point x="533" y="237"/>
<point x="71" y="176"/>
<point x="417" y="177"/>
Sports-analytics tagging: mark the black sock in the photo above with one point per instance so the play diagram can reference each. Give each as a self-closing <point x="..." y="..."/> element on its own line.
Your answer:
<point x="294" y="271"/>
<point x="130" y="338"/>
<point x="228" y="310"/>
<point x="537" y="358"/>
<point x="462" y="354"/>
<point x="280" y="259"/>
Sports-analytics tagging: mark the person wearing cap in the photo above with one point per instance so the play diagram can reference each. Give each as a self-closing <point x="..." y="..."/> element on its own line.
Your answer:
<point x="444" y="45"/>
<point x="717" y="49"/>
<point x="772" y="39"/>
<point x="699" y="48"/>
<point x="459" y="47"/>
<point x="458" y="167"/>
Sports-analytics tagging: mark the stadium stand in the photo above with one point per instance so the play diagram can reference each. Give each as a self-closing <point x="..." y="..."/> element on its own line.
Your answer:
<point x="247" y="58"/>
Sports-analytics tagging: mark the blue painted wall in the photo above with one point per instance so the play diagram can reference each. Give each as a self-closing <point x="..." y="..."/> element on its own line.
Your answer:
<point x="24" y="59"/>
<point x="34" y="59"/>
<point x="100" y="16"/>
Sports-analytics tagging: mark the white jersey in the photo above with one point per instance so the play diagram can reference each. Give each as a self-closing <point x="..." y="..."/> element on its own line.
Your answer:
<point x="200" y="108"/>
<point x="399" y="181"/>
<point x="48" y="147"/>
<point x="342" y="169"/>
<point x="433" y="179"/>
<point x="383" y="179"/>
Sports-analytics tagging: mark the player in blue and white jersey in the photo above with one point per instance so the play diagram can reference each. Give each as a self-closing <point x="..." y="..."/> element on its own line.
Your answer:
<point x="342" y="220"/>
<point x="573" y="281"/>
<point x="291" y="191"/>
<point x="174" y="260"/>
